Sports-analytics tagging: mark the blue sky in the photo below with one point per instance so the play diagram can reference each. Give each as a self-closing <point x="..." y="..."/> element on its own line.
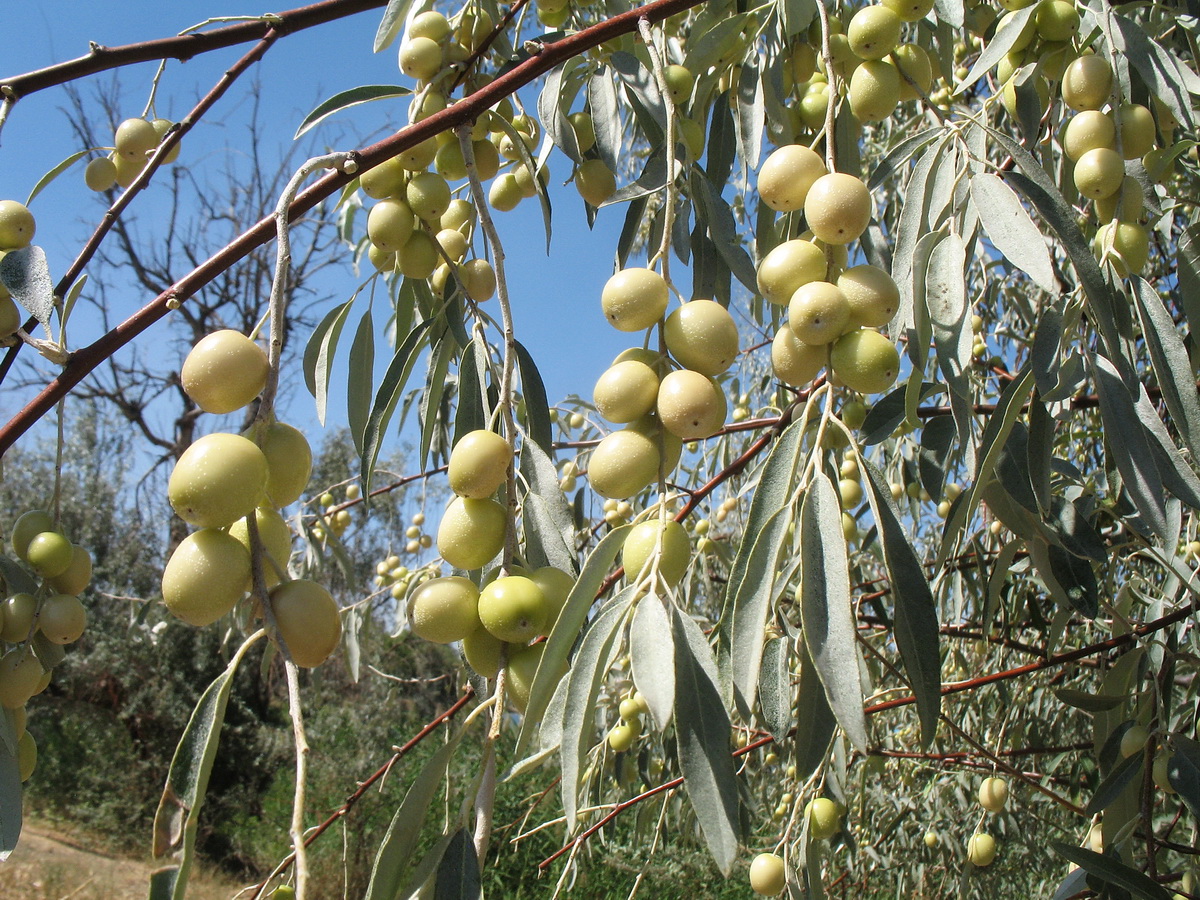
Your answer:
<point x="555" y="299"/>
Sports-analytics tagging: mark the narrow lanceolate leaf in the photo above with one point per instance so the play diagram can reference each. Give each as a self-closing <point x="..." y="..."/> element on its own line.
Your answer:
<point x="946" y="299"/>
<point x="391" y="23"/>
<point x="471" y="414"/>
<point x="723" y="230"/>
<point x="815" y="721"/>
<point x="1129" y="447"/>
<point x="318" y="354"/>
<point x="1183" y="771"/>
<point x="1171" y="363"/>
<point x="1012" y="230"/>
<point x="55" y="172"/>
<point x="10" y="787"/>
<point x="652" y="655"/>
<point x="537" y="409"/>
<point x="1111" y="870"/>
<point x="606" y="118"/>
<point x="997" y="47"/>
<point x="1169" y="79"/>
<point x="386" y="398"/>
<point x="544" y="545"/>
<point x="359" y="378"/>
<point x="825" y="606"/>
<point x="565" y="632"/>
<point x="347" y="99"/>
<point x="702" y="731"/>
<point x="178" y="816"/>
<point x="391" y="860"/>
<point x="775" y="688"/>
<point x="1121" y="776"/>
<point x="588" y="671"/>
<point x="914" y="610"/>
<point x="458" y="872"/>
<point x="25" y="273"/>
<point x="751" y="115"/>
<point x="538" y="470"/>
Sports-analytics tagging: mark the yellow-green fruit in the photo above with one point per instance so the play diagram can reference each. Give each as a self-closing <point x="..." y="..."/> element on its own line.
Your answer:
<point x="585" y="131"/>
<point x="128" y="168"/>
<point x="838" y="208"/>
<point x="77" y="575"/>
<point x="418" y="257"/>
<point x="1133" y="741"/>
<point x="49" y="553"/>
<point x="1125" y="244"/>
<point x="865" y="361"/>
<point x="556" y="586"/>
<point x="161" y="127"/>
<point x="525" y="179"/>
<point x="680" y="82"/>
<point x="692" y="134"/>
<point x="622" y="738"/>
<point x="19" y="610"/>
<point x="1137" y="130"/>
<point x="787" y="267"/>
<point x="224" y="371"/>
<point x="913" y="61"/>
<point x="691" y="406"/>
<point x="595" y="182"/>
<point x="482" y="651"/>
<point x="273" y="534"/>
<point x="802" y="61"/>
<point x="206" y="575"/>
<point x="289" y="463"/>
<point x="20" y="675"/>
<point x="634" y="299"/>
<point x="638" y="551"/>
<point x="795" y="362"/>
<point x="219" y="479"/>
<point x="768" y="876"/>
<point x="818" y="313"/>
<point x="513" y="609"/>
<point x="522" y="668"/>
<point x="471" y="532"/>
<point x="1011" y="102"/>
<point x="672" y="447"/>
<point x="1025" y="37"/>
<point x="390" y="224"/>
<point x="993" y="794"/>
<point x="874" y="90"/>
<point x="1087" y="83"/>
<point x="1057" y="20"/>
<point x="813" y="107"/>
<point x="384" y="180"/>
<point x="444" y="610"/>
<point x="1127" y="205"/>
<point x="429" y="24"/>
<point x="487" y="159"/>
<point x="1162" y="765"/>
<point x="100" y="174"/>
<point x="450" y="162"/>
<point x="787" y="175"/>
<point x="428" y="196"/>
<point x="135" y="138"/>
<point x="981" y="849"/>
<point x="26" y="756"/>
<point x="871" y="294"/>
<point x="479" y="279"/>
<point x="1088" y="130"/>
<point x="1099" y="173"/>
<point x="1054" y="57"/>
<point x="28" y="526"/>
<point x="420" y="57"/>
<point x="824" y="819"/>
<point x="702" y="336"/>
<point x="479" y="464"/>
<point x="909" y="10"/>
<point x="932" y="839"/>
<point x="873" y="32"/>
<point x="623" y="463"/>
<point x="62" y="619"/>
<point x="308" y="620"/>
<point x="16" y="225"/>
<point x="626" y="391"/>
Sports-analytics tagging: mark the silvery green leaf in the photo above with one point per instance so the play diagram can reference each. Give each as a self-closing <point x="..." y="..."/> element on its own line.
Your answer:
<point x="27" y="276"/>
<point x="1012" y="230"/>
<point x="652" y="657"/>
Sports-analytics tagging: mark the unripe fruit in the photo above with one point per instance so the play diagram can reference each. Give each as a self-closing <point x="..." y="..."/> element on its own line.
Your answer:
<point x="795" y="362"/>
<point x="289" y="463"/>
<point x="49" y="553"/>
<point x="513" y="609"/>
<point x="135" y="138"/>
<point x="823" y="817"/>
<point x="818" y="313"/>
<point x="444" y="610"/>
<point x="471" y="532"/>
<point x="622" y="738"/>
<point x="932" y="839"/>
<point x="1161" y="772"/>
<point x="1127" y="205"/>
<point x="28" y="526"/>
<point x="308" y="620"/>
<point x="865" y="361"/>
<point x="690" y="405"/>
<point x="479" y="279"/>
<point x="637" y="553"/>
<point x="1125" y="244"/>
<point x="672" y="447"/>
<point x="874" y="90"/>
<point x="19" y="610"/>
<point x="20" y="675"/>
<point x="522" y="668"/>
<point x="871" y="295"/>
<point x="384" y="180"/>
<point x="787" y="175"/>
<point x="585" y="132"/>
<point x="626" y="391"/>
<point x="479" y="464"/>
<point x="813" y="106"/>
<point x="1088" y="130"/>
<point x="1133" y="741"/>
<point x="418" y="257"/>
<point x="420" y="57"/>
<point x="556" y="586"/>
<point x="1057" y="20"/>
<point x="1026" y="35"/>
<point x="273" y="534"/>
<point x="26" y="756"/>
<point x="224" y="371"/>
<point x="16" y="225"/>
<point x="428" y="196"/>
<point x="1099" y="173"/>
<point x="787" y="267"/>
<point x="702" y="336"/>
<point x="390" y="224"/>
<point x="206" y="575"/>
<point x="909" y="10"/>
<point x="77" y="576"/>
<point x="128" y="168"/>
<point x="623" y="463"/>
<point x="1137" y="130"/>
<point x="1087" y="83"/>
<point x="482" y="651"/>
<point x="219" y="479"/>
<point x="838" y="208"/>
<point x="595" y="182"/>
<point x="62" y="619"/>
<point x="981" y="849"/>
<point x="161" y="127"/>
<point x="692" y="134"/>
<point x="913" y="61"/>
<point x="680" y="82"/>
<point x="993" y="794"/>
<point x="430" y="24"/>
<point x="634" y="299"/>
<point x="768" y="875"/>
<point x="873" y="32"/>
<point x="100" y="174"/>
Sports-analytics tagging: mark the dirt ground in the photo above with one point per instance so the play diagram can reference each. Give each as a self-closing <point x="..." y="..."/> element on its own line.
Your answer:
<point x="48" y="865"/>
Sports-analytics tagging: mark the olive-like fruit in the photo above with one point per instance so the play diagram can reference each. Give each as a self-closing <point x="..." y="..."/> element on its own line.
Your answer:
<point x="768" y="876"/>
<point x="824" y="818"/>
<point x="794" y="362"/>
<point x="786" y="176"/>
<point x="482" y="649"/>
<point x="219" y="479"/>
<point x="993" y="794"/>
<point x="28" y="526"/>
<point x="16" y="225"/>
<point x="691" y="406"/>
<point x="865" y="361"/>
<point x="19" y="610"/>
<point x="623" y="463"/>
<point x="275" y="537"/>
<point x="224" y="371"/>
<point x="471" y="532"/>
<point x="513" y="609"/>
<point x="702" y="336"/>
<point x="818" y="313"/>
<point x="289" y="463"/>
<point x="479" y="464"/>
<point x="789" y="266"/>
<point x="634" y="299"/>
<point x="626" y="391"/>
<point x="62" y="619"/>
<point x="1087" y="83"/>
<point x="20" y="675"/>
<point x="873" y="32"/>
<point x="522" y="668"/>
<point x="981" y="849"/>
<point x="838" y="208"/>
<point x="595" y="182"/>
<point x="444" y="610"/>
<point x="390" y="224"/>
<point x="50" y="554"/>
<point x="309" y="621"/>
<point x="206" y="575"/>
<point x="77" y="576"/>
<point x="638" y="551"/>
<point x="871" y="294"/>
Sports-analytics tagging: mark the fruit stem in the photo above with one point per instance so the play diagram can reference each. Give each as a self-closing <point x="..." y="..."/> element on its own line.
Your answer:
<point x="834" y="86"/>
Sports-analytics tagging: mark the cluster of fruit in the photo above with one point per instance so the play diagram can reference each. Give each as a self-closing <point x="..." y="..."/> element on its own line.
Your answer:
<point x="333" y="520"/>
<point x="134" y="142"/>
<point x="40" y="619"/>
<point x="631" y="709"/>
<point x="832" y="310"/>
<point x="16" y="233"/>
<point x="218" y="483"/>
<point x="768" y="873"/>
